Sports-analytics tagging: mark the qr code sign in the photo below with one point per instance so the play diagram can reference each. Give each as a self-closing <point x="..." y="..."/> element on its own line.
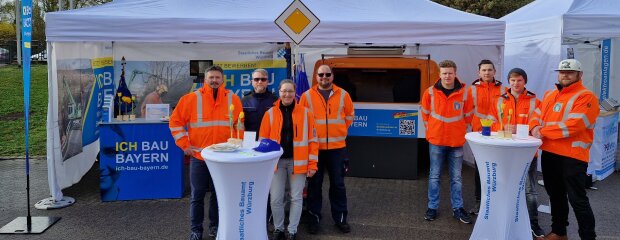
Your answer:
<point x="406" y="127"/>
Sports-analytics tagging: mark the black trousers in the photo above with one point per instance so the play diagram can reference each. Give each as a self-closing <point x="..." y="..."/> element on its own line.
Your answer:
<point x="331" y="162"/>
<point x="565" y="182"/>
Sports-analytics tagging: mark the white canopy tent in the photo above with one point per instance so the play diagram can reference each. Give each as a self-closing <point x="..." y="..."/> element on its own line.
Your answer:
<point x="424" y="26"/>
<point x="389" y="22"/>
<point x="544" y="32"/>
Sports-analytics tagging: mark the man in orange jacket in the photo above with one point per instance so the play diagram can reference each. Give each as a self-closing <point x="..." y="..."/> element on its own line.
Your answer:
<point x="333" y="113"/>
<point x="519" y="106"/>
<point x="446" y="110"/>
<point x="200" y="119"/>
<point x="566" y="126"/>
<point x="483" y="92"/>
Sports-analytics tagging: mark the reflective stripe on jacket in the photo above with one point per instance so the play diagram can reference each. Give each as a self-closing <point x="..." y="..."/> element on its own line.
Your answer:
<point x="567" y="119"/>
<point x="305" y="142"/>
<point x="199" y="121"/>
<point x="522" y="107"/>
<point x="332" y="118"/>
<point x="483" y="95"/>
<point x="446" y="118"/>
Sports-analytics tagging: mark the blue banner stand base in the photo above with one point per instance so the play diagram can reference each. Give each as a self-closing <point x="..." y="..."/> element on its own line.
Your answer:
<point x="37" y="225"/>
<point x="50" y="203"/>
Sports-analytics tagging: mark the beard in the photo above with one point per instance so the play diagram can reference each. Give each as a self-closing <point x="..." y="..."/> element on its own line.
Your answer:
<point x="214" y="85"/>
<point x="260" y="89"/>
<point x="325" y="85"/>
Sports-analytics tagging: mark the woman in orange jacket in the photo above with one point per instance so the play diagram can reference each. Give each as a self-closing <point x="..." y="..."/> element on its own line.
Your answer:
<point x="291" y="125"/>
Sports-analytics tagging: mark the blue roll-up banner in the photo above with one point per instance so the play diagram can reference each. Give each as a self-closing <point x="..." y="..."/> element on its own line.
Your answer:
<point x="385" y="123"/>
<point x="139" y="161"/>
<point x="605" y="68"/>
<point x="103" y="68"/>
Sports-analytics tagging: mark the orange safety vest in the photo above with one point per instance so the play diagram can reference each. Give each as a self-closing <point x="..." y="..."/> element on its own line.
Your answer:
<point x="199" y="121"/>
<point x="332" y="118"/>
<point x="522" y="108"/>
<point x="567" y="118"/>
<point x="305" y="142"/>
<point x="446" y="117"/>
<point x="483" y="95"/>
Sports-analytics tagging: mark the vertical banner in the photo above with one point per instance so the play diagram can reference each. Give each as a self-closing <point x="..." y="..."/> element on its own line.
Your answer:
<point x="103" y="68"/>
<point x="605" y="68"/>
<point x="26" y="15"/>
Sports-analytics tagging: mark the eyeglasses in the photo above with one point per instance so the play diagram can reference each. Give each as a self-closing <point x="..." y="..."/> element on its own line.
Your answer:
<point x="287" y="91"/>
<point x="325" y="74"/>
<point x="260" y="79"/>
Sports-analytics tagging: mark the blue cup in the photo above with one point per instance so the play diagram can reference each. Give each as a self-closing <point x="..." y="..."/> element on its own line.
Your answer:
<point x="486" y="131"/>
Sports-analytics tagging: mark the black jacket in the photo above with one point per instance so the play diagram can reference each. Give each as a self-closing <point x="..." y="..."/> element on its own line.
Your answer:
<point x="254" y="107"/>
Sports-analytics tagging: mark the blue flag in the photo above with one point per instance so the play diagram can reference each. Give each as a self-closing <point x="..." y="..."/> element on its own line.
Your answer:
<point x="301" y="79"/>
<point x="124" y="102"/>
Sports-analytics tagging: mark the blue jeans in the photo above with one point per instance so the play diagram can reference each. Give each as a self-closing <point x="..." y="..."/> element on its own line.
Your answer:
<point x="332" y="161"/>
<point x="454" y="157"/>
<point x="200" y="179"/>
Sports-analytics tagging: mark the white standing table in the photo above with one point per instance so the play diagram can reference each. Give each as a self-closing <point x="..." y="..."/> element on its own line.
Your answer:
<point x="242" y="179"/>
<point x="503" y="166"/>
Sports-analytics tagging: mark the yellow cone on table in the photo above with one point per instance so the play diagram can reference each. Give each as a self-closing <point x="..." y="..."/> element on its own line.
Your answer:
<point x="239" y="122"/>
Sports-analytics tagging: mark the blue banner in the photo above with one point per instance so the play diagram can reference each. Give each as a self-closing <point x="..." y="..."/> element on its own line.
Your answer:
<point x="139" y="161"/>
<point x="238" y="75"/>
<point x="26" y="15"/>
<point x="103" y="84"/>
<point x="385" y="123"/>
<point x="605" y="68"/>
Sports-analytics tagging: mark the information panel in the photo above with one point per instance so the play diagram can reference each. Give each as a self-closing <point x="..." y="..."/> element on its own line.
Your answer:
<point x="139" y="160"/>
<point x="385" y="120"/>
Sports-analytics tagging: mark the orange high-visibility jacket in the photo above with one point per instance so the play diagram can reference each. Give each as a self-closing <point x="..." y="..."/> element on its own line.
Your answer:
<point x="199" y="121"/>
<point x="305" y="142"/>
<point x="522" y="108"/>
<point x="446" y="117"/>
<point x="332" y="118"/>
<point x="567" y="117"/>
<point x="483" y="95"/>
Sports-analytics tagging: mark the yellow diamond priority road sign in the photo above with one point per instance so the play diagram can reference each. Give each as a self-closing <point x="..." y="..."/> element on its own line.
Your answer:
<point x="297" y="21"/>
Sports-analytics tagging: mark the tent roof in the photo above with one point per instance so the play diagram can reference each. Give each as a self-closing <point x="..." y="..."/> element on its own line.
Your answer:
<point x="250" y="21"/>
<point x="579" y="19"/>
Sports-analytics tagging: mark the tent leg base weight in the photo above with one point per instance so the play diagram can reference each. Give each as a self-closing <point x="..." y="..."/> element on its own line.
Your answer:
<point x="20" y="225"/>
<point x="50" y="203"/>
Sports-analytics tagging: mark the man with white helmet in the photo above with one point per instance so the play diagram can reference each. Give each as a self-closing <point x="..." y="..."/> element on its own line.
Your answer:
<point x="566" y="126"/>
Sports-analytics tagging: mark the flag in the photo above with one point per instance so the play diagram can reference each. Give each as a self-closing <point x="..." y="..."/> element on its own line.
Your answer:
<point x="124" y="101"/>
<point x="301" y="79"/>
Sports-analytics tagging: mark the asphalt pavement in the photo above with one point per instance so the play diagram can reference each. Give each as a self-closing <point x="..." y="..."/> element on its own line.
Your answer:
<point x="378" y="209"/>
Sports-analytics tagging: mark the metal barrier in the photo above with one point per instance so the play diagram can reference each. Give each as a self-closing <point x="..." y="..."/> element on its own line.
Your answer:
<point x="8" y="51"/>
